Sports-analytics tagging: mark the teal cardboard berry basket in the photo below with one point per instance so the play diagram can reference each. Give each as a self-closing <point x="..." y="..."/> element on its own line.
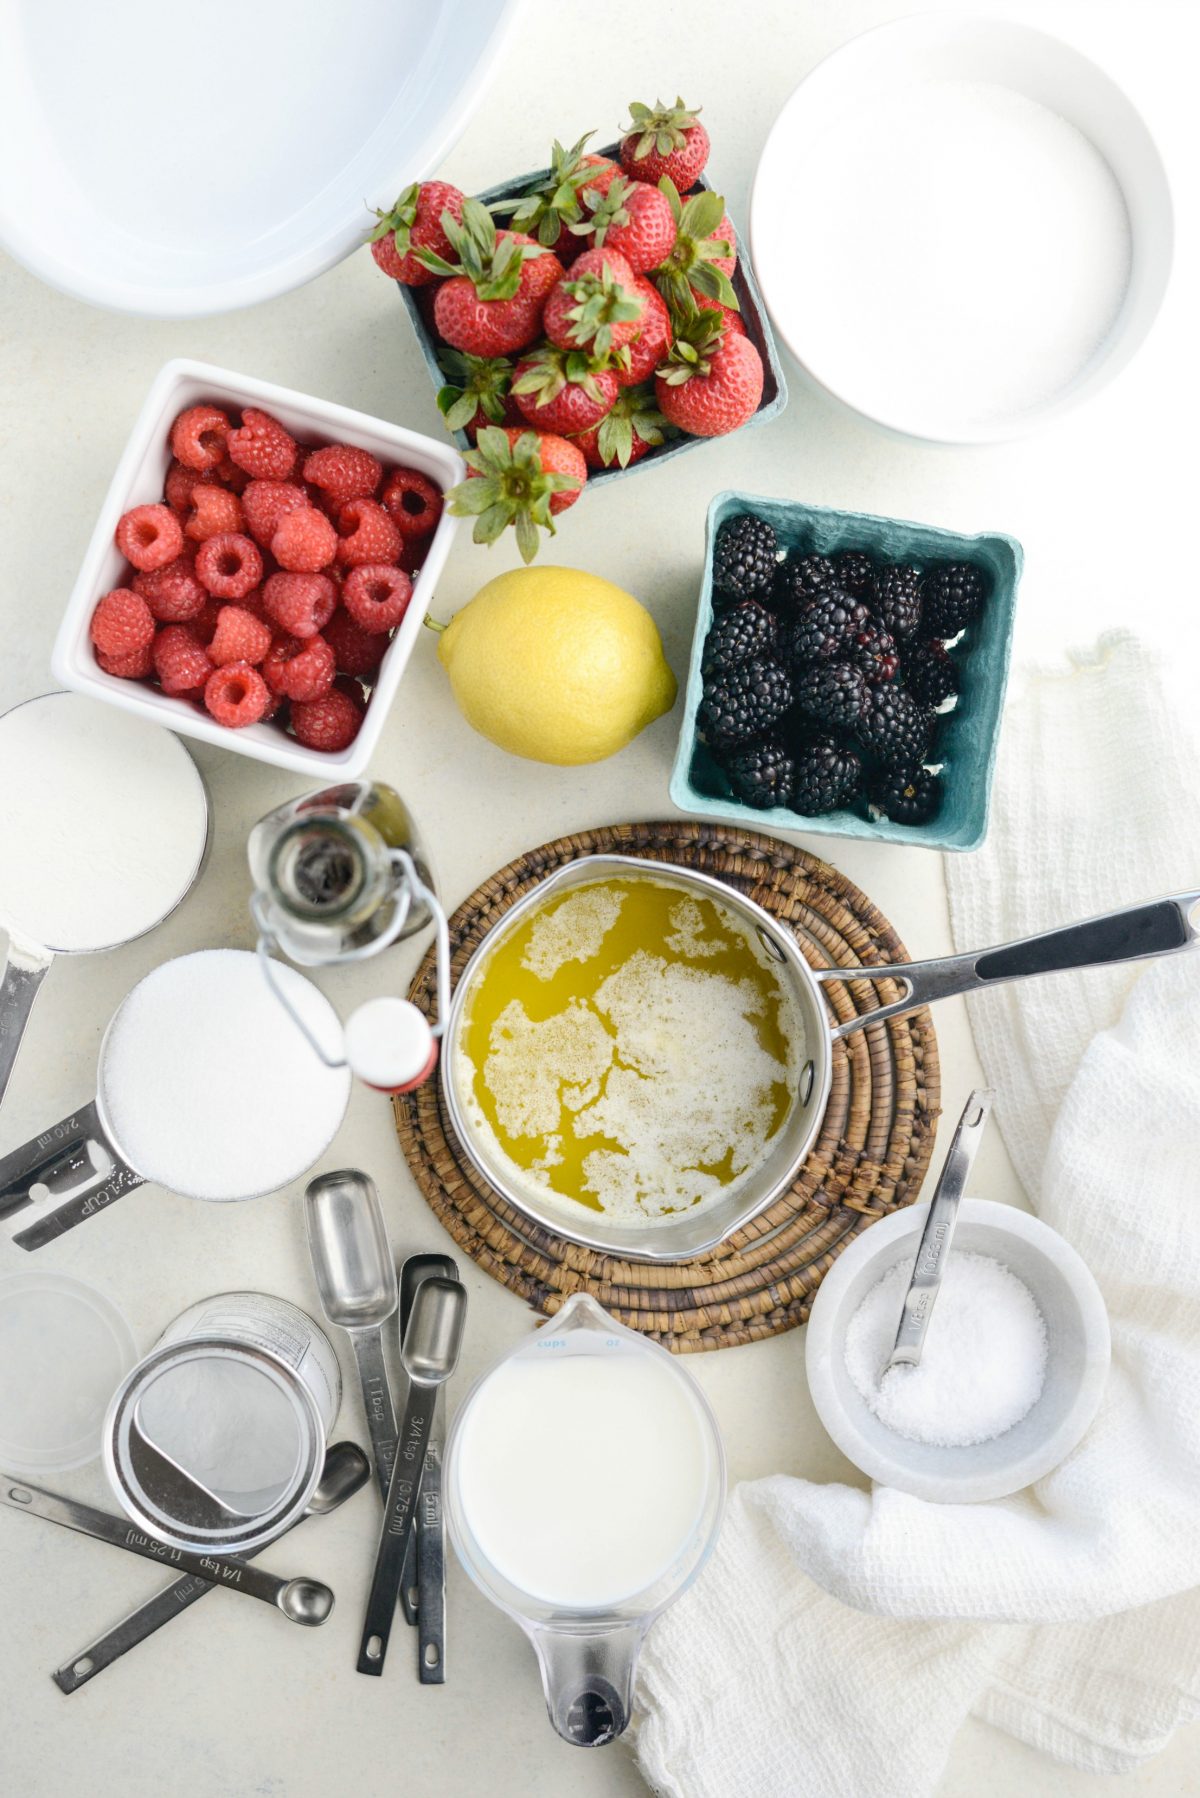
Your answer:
<point x="774" y="394"/>
<point x="968" y="736"/>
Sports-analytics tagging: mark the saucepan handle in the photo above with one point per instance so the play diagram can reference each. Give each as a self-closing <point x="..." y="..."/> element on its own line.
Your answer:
<point x="1135" y="933"/>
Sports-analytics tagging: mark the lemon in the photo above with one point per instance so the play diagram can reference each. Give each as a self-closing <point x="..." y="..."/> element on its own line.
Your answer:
<point x="557" y="665"/>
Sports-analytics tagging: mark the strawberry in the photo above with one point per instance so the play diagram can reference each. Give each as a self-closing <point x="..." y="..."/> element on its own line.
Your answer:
<point x="415" y="222"/>
<point x="712" y="380"/>
<point x="603" y="171"/>
<point x="635" y="220"/>
<point x="703" y="255"/>
<point x="653" y="341"/>
<point x="623" y="437"/>
<point x="490" y="301"/>
<point x="563" y="391"/>
<point x="665" y="140"/>
<point x="552" y="205"/>
<point x="518" y="477"/>
<point x="594" y="307"/>
<point x="733" y="320"/>
<point x="476" y="393"/>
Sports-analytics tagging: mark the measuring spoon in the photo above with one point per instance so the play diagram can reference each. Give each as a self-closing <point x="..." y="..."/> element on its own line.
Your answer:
<point x="356" y="1280"/>
<point x="936" y="1237"/>
<point x="429" y="1355"/>
<point x="346" y="1470"/>
<point x="423" y="1583"/>
<point x="304" y="1601"/>
<point x="97" y="804"/>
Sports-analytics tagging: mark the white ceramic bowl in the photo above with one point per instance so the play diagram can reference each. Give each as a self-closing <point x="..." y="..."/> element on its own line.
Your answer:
<point x="139" y="480"/>
<point x="868" y="71"/>
<point x="205" y="168"/>
<point x="1076" y="1365"/>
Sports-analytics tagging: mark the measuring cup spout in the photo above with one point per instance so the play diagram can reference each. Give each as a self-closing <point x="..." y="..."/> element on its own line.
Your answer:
<point x="587" y="1676"/>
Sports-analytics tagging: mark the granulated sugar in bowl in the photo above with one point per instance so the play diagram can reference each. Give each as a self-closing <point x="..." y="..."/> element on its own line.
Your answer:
<point x="207" y="1086"/>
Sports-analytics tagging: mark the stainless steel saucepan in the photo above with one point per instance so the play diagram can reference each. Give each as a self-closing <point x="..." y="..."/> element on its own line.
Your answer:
<point x="1136" y="933"/>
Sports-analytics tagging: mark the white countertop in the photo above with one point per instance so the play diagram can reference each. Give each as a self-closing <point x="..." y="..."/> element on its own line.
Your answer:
<point x="228" y="1703"/>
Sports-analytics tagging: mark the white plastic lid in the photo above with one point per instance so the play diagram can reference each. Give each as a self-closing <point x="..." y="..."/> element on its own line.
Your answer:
<point x="64" y="1349"/>
<point x="389" y="1043"/>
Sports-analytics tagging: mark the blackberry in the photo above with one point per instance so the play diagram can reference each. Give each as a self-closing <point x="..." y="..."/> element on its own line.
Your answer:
<point x="908" y="798"/>
<point x="898" y="600"/>
<point x="746" y="630"/>
<point x="855" y="573"/>
<point x="875" y="652"/>
<point x="953" y="593"/>
<point x="802" y="577"/>
<point x="896" y="727"/>
<point x="744" y="702"/>
<point x="833" y="692"/>
<point x="823" y="628"/>
<point x="930" y="675"/>
<point x="745" y="557"/>
<point x="761" y="774"/>
<point x="826" y="774"/>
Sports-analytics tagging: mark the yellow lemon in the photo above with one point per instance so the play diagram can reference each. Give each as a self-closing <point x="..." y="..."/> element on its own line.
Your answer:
<point x="557" y="665"/>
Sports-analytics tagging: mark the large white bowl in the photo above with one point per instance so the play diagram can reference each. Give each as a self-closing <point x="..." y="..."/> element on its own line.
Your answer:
<point x="174" y="160"/>
<point x="1076" y="1364"/>
<point x="139" y="480"/>
<point x="869" y="69"/>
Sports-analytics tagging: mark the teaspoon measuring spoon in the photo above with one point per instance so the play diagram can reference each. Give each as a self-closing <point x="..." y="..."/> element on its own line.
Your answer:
<point x="429" y="1355"/>
<point x="423" y="1584"/>
<point x="938" y="1233"/>
<point x="346" y="1470"/>
<point x="304" y="1601"/>
<point x="356" y="1280"/>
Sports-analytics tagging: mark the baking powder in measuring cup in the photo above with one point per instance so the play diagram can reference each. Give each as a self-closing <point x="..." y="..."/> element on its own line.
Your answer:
<point x="217" y="1439"/>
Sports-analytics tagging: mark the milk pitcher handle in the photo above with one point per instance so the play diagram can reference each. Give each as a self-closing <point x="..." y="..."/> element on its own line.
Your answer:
<point x="1135" y="933"/>
<point x="587" y="1677"/>
<point x="24" y="970"/>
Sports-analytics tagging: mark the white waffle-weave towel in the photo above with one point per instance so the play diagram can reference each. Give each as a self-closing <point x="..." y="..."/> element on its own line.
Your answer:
<point x="839" y="1638"/>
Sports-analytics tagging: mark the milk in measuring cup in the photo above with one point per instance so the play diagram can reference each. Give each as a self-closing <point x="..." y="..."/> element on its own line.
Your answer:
<point x="583" y="1477"/>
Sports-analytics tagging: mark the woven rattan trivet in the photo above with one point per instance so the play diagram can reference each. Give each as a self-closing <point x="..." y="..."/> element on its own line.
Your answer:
<point x="870" y="1158"/>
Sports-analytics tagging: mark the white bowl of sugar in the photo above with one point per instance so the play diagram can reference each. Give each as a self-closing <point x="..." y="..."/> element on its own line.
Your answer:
<point x="1014" y="1366"/>
<point x="961" y="226"/>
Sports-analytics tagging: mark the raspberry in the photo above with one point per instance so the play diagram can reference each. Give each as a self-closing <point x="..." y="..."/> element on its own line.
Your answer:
<point x="376" y="595"/>
<point x="231" y="476"/>
<point x="236" y="695"/>
<point x="262" y="447"/>
<point x="182" y="482"/>
<point x="300" y="604"/>
<point x="367" y="534"/>
<point x="300" y="669"/>
<point x="239" y="637"/>
<point x="135" y="666"/>
<point x="182" y="664"/>
<point x="358" y="652"/>
<point x="214" y="510"/>
<point x="414" y="503"/>
<point x="304" y="540"/>
<point x="343" y="473"/>
<point x="203" y="626"/>
<point x="173" y="593"/>
<point x="122" y="623"/>
<point x="330" y="724"/>
<point x="264" y="503"/>
<point x="229" y="565"/>
<point x="149" y="537"/>
<point x="200" y="435"/>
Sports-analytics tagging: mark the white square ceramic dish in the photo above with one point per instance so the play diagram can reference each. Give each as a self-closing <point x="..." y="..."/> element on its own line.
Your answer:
<point x="138" y="480"/>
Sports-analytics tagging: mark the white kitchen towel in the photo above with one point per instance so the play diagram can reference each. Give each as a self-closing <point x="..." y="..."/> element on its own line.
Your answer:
<point x="839" y="1638"/>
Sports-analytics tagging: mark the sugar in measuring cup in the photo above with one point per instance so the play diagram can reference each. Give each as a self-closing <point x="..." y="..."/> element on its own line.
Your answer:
<point x="204" y="1087"/>
<point x="585" y="1483"/>
<point x="103" y="831"/>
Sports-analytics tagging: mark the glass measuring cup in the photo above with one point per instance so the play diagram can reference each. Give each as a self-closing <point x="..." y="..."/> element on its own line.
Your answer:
<point x="585" y="1402"/>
